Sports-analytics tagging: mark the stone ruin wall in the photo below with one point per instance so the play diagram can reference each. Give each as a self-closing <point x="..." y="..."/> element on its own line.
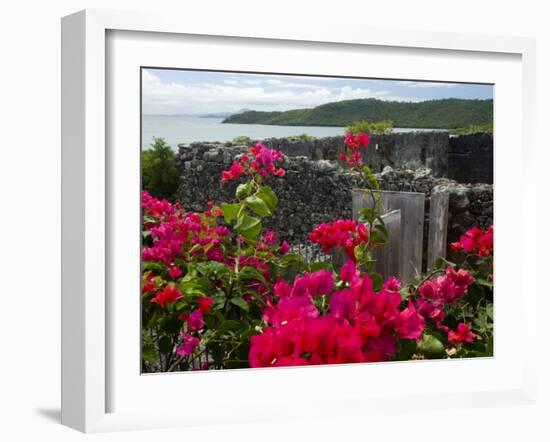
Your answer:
<point x="317" y="189"/>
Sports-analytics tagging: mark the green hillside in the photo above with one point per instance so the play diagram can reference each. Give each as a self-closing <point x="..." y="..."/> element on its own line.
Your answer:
<point x="447" y="113"/>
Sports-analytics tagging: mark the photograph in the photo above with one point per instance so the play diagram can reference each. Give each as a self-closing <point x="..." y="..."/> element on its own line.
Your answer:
<point x="301" y="220"/>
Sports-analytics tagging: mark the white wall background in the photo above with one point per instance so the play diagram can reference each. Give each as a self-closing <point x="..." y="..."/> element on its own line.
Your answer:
<point x="30" y="214"/>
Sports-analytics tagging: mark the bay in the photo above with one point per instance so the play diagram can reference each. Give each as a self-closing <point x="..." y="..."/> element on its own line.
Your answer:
<point x="177" y="129"/>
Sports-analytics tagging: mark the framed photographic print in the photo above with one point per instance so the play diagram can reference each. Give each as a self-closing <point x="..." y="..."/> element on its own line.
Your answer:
<point x="248" y="216"/>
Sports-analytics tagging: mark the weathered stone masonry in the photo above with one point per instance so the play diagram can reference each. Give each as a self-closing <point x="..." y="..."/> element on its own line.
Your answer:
<point x="316" y="188"/>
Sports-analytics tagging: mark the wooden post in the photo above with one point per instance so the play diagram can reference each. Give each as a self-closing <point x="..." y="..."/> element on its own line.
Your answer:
<point x="437" y="234"/>
<point x="388" y="258"/>
<point x="411" y="205"/>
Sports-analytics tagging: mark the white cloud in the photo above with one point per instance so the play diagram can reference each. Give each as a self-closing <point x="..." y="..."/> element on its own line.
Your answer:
<point x="231" y="95"/>
<point x="426" y="84"/>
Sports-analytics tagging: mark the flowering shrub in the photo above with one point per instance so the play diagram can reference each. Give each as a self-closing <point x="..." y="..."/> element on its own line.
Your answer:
<point x="221" y="291"/>
<point x="312" y="322"/>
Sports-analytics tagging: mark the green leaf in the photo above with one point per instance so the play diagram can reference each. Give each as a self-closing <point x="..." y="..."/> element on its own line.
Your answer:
<point x="377" y="281"/>
<point x="484" y="283"/>
<point x="165" y="344"/>
<point x="442" y="262"/>
<point x="230" y="324"/>
<point x="230" y="211"/>
<point x="248" y="226"/>
<point x="320" y="265"/>
<point x="240" y="302"/>
<point x="430" y="346"/>
<point x="269" y="197"/>
<point x="405" y="292"/>
<point x="170" y="324"/>
<point x="381" y="226"/>
<point x="243" y="189"/>
<point x="191" y="287"/>
<point x="219" y="302"/>
<point x="489" y="311"/>
<point x="248" y="272"/>
<point x="258" y="206"/>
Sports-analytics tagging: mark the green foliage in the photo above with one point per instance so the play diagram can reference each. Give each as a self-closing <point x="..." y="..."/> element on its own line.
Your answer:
<point x="449" y="113"/>
<point x="300" y="137"/>
<point x="243" y="139"/>
<point x="159" y="173"/>
<point x="375" y="127"/>
<point x="474" y="128"/>
<point x="430" y="346"/>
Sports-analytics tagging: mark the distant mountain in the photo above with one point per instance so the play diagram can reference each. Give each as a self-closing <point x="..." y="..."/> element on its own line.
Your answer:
<point x="224" y="114"/>
<point x="217" y="115"/>
<point x="449" y="113"/>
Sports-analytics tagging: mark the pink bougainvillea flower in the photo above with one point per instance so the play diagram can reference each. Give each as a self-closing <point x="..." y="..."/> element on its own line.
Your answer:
<point x="353" y="144"/>
<point x="343" y="305"/>
<point x="195" y="321"/>
<point x="234" y="172"/>
<point x="149" y="285"/>
<point x="282" y="289"/>
<point x="301" y="286"/>
<point x="344" y="233"/>
<point x="169" y="294"/>
<point x="392" y="284"/>
<point x="348" y="271"/>
<point x="462" y="335"/>
<point x="175" y="272"/>
<point x="205" y="304"/>
<point x="447" y="288"/>
<point x="288" y="309"/>
<point x="270" y="237"/>
<point x="431" y="309"/>
<point x="321" y="282"/>
<point x="260" y="160"/>
<point x="476" y="241"/>
<point x="188" y="345"/>
<point x="410" y="324"/>
<point x="485" y="243"/>
<point x="363" y="139"/>
<point x="284" y="248"/>
<point x="384" y="345"/>
<point x="222" y="231"/>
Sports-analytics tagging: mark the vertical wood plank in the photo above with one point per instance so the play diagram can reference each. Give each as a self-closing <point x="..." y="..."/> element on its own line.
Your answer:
<point x="437" y="233"/>
<point x="388" y="258"/>
<point x="411" y="205"/>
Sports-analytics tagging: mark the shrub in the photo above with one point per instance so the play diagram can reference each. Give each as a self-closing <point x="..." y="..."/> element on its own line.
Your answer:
<point x="243" y="139"/>
<point x="474" y="128"/>
<point x="300" y="137"/>
<point x="159" y="174"/>
<point x="375" y="127"/>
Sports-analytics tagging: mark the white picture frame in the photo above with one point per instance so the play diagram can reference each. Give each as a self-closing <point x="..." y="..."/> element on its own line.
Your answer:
<point x="87" y="169"/>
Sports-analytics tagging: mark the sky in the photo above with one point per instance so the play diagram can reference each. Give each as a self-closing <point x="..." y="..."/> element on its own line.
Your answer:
<point x="172" y="91"/>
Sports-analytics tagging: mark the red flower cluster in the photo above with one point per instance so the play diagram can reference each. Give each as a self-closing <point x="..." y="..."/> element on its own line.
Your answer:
<point x="260" y="160"/>
<point x="436" y="294"/>
<point x="476" y="241"/>
<point x="170" y="294"/>
<point x="345" y="233"/>
<point x="362" y="325"/>
<point x="462" y="335"/>
<point x="352" y="152"/>
<point x="155" y="208"/>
